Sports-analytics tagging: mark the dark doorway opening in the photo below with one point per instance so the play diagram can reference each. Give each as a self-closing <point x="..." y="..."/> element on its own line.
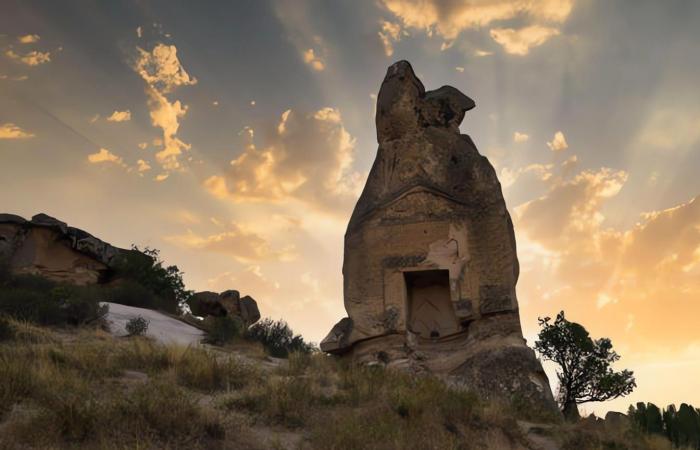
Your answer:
<point x="430" y="311"/>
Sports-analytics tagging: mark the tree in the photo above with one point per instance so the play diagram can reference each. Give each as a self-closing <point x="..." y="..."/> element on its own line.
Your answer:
<point x="584" y="371"/>
<point x="144" y="267"/>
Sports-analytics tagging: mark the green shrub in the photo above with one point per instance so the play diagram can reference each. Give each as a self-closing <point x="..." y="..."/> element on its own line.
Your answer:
<point x="145" y="268"/>
<point x="38" y="300"/>
<point x="7" y="331"/>
<point x="223" y="330"/>
<point x="131" y="293"/>
<point x="138" y="326"/>
<point x="277" y="338"/>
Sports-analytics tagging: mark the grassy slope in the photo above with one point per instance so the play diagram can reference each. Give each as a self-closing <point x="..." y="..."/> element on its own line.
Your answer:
<point x="86" y="389"/>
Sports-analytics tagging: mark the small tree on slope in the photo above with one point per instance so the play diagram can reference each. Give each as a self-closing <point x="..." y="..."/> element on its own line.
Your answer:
<point x="584" y="371"/>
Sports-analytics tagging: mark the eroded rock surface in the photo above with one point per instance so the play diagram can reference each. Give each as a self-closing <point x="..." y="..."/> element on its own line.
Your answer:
<point x="228" y="303"/>
<point x="430" y="262"/>
<point x="48" y="247"/>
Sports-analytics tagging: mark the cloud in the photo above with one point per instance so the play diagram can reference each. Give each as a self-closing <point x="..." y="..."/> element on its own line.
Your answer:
<point x="249" y="281"/>
<point x="139" y="32"/>
<point x="161" y="68"/>
<point x="520" y="137"/>
<point x="163" y="72"/>
<point x="11" y="131"/>
<point x="237" y="241"/>
<point x="143" y="145"/>
<point x="120" y="116"/>
<point x="571" y="207"/>
<point x="161" y="177"/>
<point x="33" y="58"/>
<point x="312" y="59"/>
<point x="307" y="157"/>
<point x="508" y="177"/>
<point x="482" y="53"/>
<point x="389" y="34"/>
<point x="520" y="41"/>
<point x="450" y="18"/>
<point x="105" y="156"/>
<point x="558" y="143"/>
<point x="652" y="267"/>
<point x="459" y="69"/>
<point x="29" y="39"/>
<point x="142" y="166"/>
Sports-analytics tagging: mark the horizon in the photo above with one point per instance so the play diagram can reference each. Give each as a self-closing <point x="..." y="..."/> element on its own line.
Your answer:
<point x="236" y="139"/>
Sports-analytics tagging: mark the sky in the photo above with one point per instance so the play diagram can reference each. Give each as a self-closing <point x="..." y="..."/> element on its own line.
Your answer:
<point x="236" y="137"/>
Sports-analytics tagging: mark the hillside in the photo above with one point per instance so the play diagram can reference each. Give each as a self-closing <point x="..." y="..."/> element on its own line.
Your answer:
<point x="85" y="388"/>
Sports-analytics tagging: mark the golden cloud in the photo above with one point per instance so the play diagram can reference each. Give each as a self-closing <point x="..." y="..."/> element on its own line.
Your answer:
<point x="28" y="39"/>
<point x="389" y="34"/>
<point x="305" y="157"/>
<point x="33" y="58"/>
<point x="162" y="71"/>
<point x="105" y="156"/>
<point x="450" y="18"/>
<point x="161" y="68"/>
<point x="520" y="137"/>
<point x="120" y="116"/>
<point x="142" y="166"/>
<point x="648" y="274"/>
<point x="520" y="41"/>
<point x="314" y="60"/>
<point x="238" y="242"/>
<point x="12" y="131"/>
<point x="558" y="143"/>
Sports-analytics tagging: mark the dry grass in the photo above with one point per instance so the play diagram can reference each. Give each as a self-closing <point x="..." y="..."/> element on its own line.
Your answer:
<point x="71" y="390"/>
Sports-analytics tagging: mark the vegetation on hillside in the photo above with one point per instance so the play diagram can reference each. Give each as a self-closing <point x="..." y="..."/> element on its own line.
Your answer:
<point x="85" y="389"/>
<point x="141" y="280"/>
<point x="681" y="426"/>
<point x="147" y="282"/>
<point x="276" y="337"/>
<point x="584" y="372"/>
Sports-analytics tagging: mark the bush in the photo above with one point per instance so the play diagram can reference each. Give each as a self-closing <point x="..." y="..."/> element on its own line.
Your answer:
<point x="131" y="293"/>
<point x="138" y="326"/>
<point x="277" y="338"/>
<point x="223" y="330"/>
<point x="7" y="331"/>
<point x="36" y="299"/>
<point x="145" y="268"/>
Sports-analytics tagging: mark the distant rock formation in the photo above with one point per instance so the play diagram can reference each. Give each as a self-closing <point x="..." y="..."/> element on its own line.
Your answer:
<point x="228" y="303"/>
<point x="430" y="262"/>
<point x="48" y="247"/>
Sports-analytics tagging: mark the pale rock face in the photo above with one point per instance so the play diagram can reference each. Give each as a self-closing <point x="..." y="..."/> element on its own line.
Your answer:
<point x="48" y="247"/>
<point x="430" y="262"/>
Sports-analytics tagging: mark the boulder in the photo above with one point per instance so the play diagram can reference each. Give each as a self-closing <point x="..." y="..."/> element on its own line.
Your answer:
<point x="430" y="263"/>
<point x="249" y="311"/>
<point x="228" y="303"/>
<point x="206" y="304"/>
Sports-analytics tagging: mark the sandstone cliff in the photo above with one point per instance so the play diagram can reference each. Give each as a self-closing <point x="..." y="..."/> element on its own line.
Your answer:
<point x="48" y="247"/>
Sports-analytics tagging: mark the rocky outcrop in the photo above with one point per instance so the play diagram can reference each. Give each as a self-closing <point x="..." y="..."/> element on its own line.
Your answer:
<point x="228" y="303"/>
<point x="430" y="263"/>
<point x="48" y="247"/>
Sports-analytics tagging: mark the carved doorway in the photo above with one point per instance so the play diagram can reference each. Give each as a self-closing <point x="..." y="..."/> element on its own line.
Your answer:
<point x="430" y="311"/>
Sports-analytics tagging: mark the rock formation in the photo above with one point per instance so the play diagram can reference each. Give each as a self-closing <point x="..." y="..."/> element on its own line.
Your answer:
<point x="48" y="247"/>
<point x="430" y="263"/>
<point x="228" y="303"/>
